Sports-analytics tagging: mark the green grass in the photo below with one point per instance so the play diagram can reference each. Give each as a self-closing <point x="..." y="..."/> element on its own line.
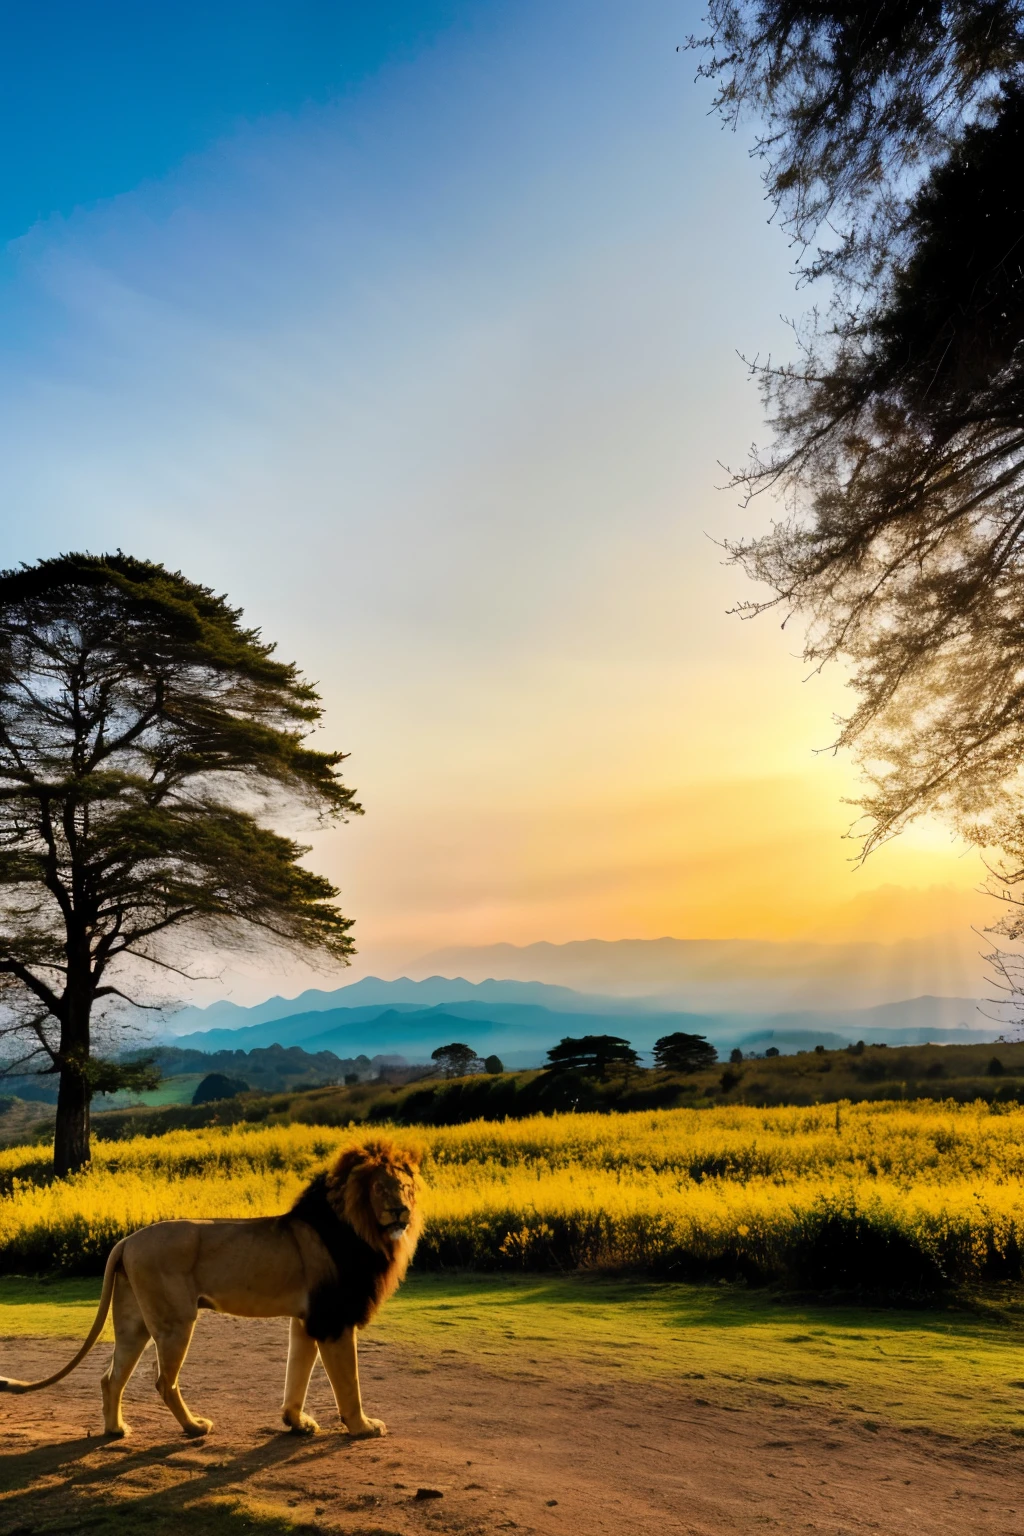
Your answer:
<point x="172" y="1091"/>
<point x="46" y="1308"/>
<point x="958" y="1372"/>
<point x="953" y="1371"/>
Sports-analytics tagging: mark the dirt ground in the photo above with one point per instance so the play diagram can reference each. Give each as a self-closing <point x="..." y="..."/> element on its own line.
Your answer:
<point x="553" y="1452"/>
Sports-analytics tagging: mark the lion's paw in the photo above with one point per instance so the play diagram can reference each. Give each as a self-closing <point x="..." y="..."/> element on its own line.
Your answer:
<point x="369" y="1429"/>
<point x="301" y="1424"/>
<point x="120" y="1432"/>
<point x="198" y="1428"/>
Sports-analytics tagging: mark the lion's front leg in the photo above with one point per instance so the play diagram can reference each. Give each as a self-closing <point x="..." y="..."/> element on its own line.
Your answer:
<point x="301" y="1360"/>
<point x="342" y="1367"/>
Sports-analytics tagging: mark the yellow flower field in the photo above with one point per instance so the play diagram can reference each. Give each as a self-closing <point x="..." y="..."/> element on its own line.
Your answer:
<point x="899" y="1196"/>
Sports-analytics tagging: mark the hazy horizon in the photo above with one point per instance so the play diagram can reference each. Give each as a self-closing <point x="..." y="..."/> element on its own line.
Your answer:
<point x="694" y="975"/>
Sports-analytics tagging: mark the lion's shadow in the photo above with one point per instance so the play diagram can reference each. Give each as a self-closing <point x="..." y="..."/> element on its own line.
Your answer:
<point x="35" y="1479"/>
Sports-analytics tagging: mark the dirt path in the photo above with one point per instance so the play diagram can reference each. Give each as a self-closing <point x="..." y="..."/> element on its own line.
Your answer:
<point x="555" y="1453"/>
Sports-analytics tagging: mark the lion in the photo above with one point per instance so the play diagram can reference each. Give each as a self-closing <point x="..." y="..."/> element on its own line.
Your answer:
<point x="328" y="1264"/>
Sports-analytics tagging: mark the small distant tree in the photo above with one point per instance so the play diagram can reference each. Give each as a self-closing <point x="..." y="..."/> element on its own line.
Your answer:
<point x="772" y="1051"/>
<point x="215" y="1086"/>
<point x="735" y="1055"/>
<point x="494" y="1065"/>
<point x="138" y="1076"/>
<point x="591" y="1054"/>
<point x="457" y="1060"/>
<point x="684" y="1053"/>
<point x="145" y="735"/>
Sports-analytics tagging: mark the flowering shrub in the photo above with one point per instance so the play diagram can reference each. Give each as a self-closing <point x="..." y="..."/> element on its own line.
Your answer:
<point x="893" y="1196"/>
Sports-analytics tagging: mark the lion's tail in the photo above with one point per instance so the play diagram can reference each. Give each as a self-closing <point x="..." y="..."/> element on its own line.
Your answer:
<point x="113" y="1264"/>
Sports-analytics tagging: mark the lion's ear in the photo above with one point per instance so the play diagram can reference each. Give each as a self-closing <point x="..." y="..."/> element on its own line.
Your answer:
<point x="411" y="1159"/>
<point x="347" y="1162"/>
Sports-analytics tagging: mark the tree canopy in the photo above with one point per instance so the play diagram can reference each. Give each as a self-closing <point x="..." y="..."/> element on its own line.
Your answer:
<point x="457" y="1060"/>
<point x="893" y="133"/>
<point x="215" y="1086"/>
<point x="857" y="103"/>
<point x="591" y="1054"/>
<point x="146" y="737"/>
<point x="681" y="1052"/>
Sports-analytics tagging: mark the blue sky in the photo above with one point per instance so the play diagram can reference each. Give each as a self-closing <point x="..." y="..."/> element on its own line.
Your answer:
<point x="416" y="330"/>
<point x="99" y="98"/>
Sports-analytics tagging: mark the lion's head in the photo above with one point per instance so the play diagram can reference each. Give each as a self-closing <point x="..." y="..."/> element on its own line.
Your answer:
<point x="375" y="1187"/>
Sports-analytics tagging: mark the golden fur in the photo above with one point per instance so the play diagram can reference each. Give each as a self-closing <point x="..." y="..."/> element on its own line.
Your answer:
<point x="331" y="1262"/>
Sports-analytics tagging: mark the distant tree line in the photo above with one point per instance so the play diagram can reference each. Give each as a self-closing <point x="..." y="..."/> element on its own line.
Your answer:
<point x="595" y="1055"/>
<point x="591" y="1055"/>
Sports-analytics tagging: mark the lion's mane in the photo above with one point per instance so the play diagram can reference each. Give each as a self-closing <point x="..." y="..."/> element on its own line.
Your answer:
<point x="368" y="1265"/>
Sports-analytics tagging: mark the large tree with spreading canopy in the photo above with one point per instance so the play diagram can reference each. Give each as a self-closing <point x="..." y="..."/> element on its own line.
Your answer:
<point x="149" y="741"/>
<point x="892" y="143"/>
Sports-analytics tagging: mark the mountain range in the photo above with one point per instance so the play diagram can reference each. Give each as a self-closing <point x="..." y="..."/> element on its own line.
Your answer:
<point x="371" y="990"/>
<point x="732" y="975"/>
<point x="518" y="1021"/>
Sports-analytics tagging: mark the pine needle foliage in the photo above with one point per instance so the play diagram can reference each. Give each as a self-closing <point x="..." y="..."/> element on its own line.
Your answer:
<point x="146" y="736"/>
<point x="893" y="135"/>
<point x="858" y="102"/>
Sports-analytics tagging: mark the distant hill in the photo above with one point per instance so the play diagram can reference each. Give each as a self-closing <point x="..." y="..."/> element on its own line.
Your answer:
<point x="272" y="1069"/>
<point x="372" y="992"/>
<point x="732" y="975"/>
<point x="963" y="1073"/>
<point x="520" y="1033"/>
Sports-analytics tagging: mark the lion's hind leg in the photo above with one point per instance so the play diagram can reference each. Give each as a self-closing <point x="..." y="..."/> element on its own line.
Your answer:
<point x="130" y="1338"/>
<point x="172" y="1344"/>
<point x="301" y="1360"/>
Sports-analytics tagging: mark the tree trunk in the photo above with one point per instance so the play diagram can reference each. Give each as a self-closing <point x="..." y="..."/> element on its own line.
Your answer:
<point x="71" y="1133"/>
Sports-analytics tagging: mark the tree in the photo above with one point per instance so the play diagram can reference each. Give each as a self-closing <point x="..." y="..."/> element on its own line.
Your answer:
<point x="145" y="737"/>
<point x="216" y="1086"/>
<point x="137" y="1076"/>
<point x="858" y="103"/>
<point x="493" y="1065"/>
<point x="591" y="1054"/>
<point x="684" y="1053"/>
<point x="457" y="1060"/>
<point x="895" y="133"/>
